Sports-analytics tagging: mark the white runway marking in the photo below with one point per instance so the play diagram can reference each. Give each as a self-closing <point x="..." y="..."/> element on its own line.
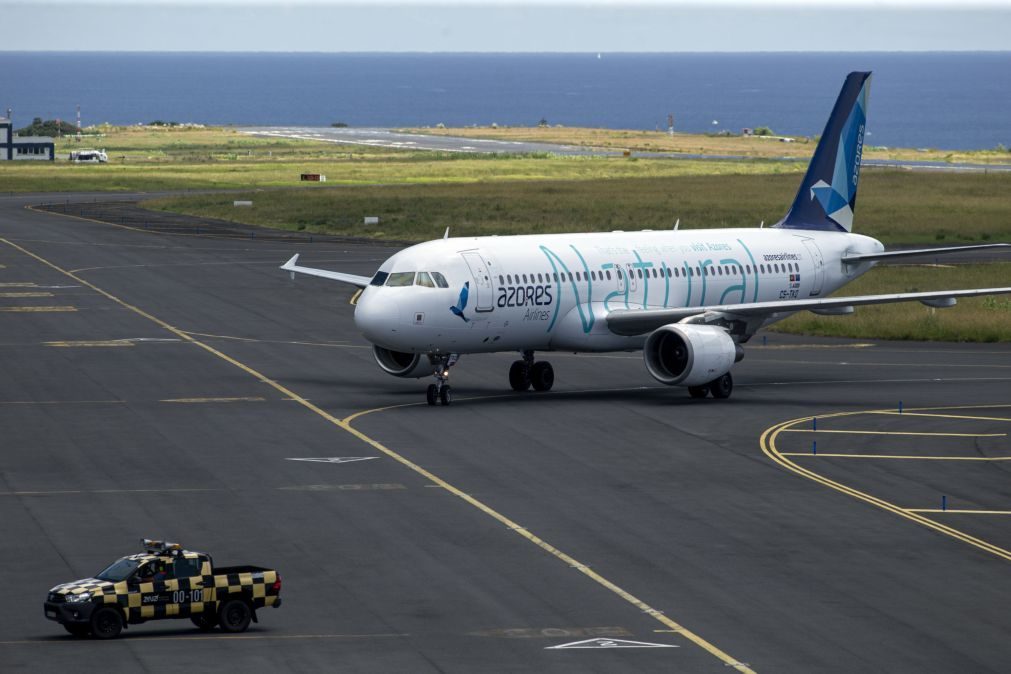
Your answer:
<point x="608" y="643"/>
<point x="338" y="459"/>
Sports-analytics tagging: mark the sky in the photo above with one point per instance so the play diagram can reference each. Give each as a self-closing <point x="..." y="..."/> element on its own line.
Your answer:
<point x="523" y="26"/>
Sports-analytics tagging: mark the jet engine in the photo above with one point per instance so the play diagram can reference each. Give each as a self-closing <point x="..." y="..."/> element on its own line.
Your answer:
<point x="686" y="354"/>
<point x="400" y="364"/>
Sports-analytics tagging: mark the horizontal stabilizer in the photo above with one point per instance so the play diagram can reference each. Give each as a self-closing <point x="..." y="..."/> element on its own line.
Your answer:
<point x="920" y="252"/>
<point x="293" y="267"/>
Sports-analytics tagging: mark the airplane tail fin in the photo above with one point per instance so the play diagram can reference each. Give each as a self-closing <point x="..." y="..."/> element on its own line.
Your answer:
<point x="828" y="195"/>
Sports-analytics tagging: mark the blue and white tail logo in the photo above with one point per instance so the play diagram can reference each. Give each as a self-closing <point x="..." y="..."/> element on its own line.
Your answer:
<point x="461" y="303"/>
<point x="828" y="196"/>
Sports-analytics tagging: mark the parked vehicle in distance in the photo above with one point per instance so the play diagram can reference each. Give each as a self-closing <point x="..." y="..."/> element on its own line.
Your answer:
<point x="89" y="157"/>
<point x="164" y="581"/>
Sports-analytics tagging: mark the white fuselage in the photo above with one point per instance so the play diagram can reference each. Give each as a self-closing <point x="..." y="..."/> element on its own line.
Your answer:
<point x="554" y="291"/>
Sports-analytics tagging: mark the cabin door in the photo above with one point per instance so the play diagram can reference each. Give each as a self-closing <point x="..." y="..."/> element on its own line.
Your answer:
<point x="484" y="284"/>
<point x="818" y="262"/>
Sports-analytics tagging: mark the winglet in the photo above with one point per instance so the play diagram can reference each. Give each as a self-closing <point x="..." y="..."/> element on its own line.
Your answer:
<point x="289" y="266"/>
<point x="446" y="235"/>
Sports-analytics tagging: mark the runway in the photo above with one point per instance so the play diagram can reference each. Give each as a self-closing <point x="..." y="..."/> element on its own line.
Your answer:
<point x="847" y="510"/>
<point x="399" y="140"/>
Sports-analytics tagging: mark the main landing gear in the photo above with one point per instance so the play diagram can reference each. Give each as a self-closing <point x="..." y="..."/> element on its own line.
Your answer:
<point x="440" y="392"/>
<point x="526" y="373"/>
<point x="720" y="387"/>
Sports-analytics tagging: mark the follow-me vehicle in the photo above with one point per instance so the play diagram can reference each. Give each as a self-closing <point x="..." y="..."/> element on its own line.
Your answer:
<point x="688" y="299"/>
<point x="162" y="582"/>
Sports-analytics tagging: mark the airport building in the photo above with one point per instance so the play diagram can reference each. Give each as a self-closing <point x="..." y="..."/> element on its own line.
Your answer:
<point x="28" y="147"/>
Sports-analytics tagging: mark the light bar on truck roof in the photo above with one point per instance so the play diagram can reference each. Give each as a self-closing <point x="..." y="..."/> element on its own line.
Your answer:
<point x="160" y="547"/>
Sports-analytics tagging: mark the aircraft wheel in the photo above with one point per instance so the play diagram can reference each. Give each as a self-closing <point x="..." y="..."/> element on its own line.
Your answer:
<point x="722" y="386"/>
<point x="445" y="396"/>
<point x="432" y="395"/>
<point x="698" y="391"/>
<point x="542" y="376"/>
<point x="519" y="376"/>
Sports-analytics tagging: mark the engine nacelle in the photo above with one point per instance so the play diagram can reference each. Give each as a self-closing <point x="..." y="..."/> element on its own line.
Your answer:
<point x="400" y="364"/>
<point x="685" y="354"/>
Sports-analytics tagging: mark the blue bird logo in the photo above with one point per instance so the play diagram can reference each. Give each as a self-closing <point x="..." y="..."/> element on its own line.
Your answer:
<point x="462" y="302"/>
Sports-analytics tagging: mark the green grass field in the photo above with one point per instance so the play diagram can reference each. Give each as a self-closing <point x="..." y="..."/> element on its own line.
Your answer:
<point x="982" y="319"/>
<point x="898" y="207"/>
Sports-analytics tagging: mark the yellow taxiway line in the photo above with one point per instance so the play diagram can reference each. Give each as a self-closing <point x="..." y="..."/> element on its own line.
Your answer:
<point x="947" y="435"/>
<point x="192" y="401"/>
<point x="898" y="456"/>
<point x="37" y="310"/>
<point x="944" y="416"/>
<point x="959" y="511"/>
<point x="768" y="445"/>
<point x="346" y="425"/>
<point x="91" y="343"/>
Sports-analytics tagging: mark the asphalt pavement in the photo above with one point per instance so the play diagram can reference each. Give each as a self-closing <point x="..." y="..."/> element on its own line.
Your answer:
<point x="164" y="383"/>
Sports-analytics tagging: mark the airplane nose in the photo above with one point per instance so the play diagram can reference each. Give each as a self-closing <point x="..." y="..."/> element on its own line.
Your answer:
<point x="376" y="317"/>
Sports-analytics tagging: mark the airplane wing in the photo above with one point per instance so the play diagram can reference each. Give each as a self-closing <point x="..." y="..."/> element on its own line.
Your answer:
<point x="891" y="255"/>
<point x="631" y="322"/>
<point x="293" y="267"/>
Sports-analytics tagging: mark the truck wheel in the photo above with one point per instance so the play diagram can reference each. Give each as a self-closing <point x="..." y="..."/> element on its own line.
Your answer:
<point x="106" y="623"/>
<point x="76" y="629"/>
<point x="204" y="621"/>
<point x="234" y="615"/>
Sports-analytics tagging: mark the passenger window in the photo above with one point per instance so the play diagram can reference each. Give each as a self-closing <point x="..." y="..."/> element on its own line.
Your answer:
<point x="424" y="280"/>
<point x="608" y="275"/>
<point x="400" y="279"/>
<point x="540" y="278"/>
<point x="379" y="279"/>
<point x="439" y="279"/>
<point x="524" y="278"/>
<point x="186" y="567"/>
<point x="501" y="280"/>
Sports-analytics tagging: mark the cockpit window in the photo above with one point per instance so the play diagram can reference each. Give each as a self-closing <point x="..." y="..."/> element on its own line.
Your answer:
<point x="379" y="279"/>
<point x="424" y="279"/>
<point x="400" y="278"/>
<point x="440" y="280"/>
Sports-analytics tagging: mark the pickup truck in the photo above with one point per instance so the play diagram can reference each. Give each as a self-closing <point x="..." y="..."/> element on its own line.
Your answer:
<point x="164" y="581"/>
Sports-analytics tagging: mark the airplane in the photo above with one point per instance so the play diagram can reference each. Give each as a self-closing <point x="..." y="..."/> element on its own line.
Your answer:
<point x="687" y="299"/>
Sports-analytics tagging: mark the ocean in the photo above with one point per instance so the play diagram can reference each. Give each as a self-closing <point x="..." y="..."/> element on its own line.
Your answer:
<point x="937" y="100"/>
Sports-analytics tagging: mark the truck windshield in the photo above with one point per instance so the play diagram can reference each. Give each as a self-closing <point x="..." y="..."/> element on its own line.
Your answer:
<point x="119" y="570"/>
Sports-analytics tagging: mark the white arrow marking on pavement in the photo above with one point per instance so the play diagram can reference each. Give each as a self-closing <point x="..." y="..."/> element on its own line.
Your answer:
<point x="609" y="643"/>
<point x="338" y="459"/>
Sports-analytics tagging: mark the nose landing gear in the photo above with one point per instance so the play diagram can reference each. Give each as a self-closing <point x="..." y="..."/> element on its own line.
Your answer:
<point x="526" y="373"/>
<point x="440" y="391"/>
